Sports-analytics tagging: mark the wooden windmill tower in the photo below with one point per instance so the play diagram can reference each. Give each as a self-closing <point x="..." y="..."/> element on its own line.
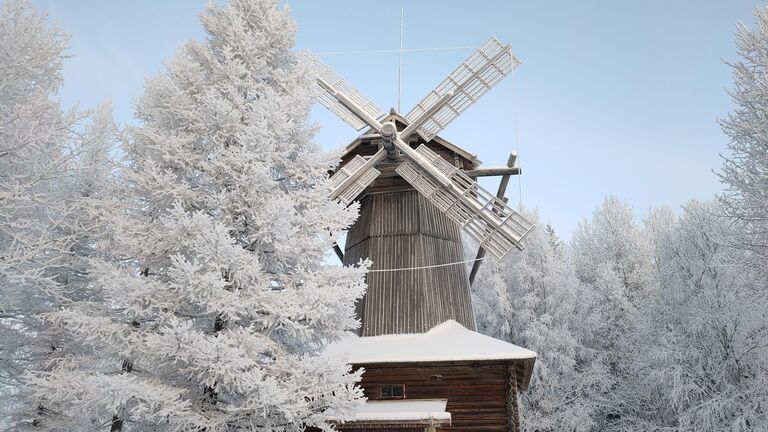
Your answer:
<point x="416" y="196"/>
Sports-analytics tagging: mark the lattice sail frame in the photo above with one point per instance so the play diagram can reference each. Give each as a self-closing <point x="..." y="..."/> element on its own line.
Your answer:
<point x="324" y="72"/>
<point x="473" y="78"/>
<point x="484" y="217"/>
<point x="352" y="191"/>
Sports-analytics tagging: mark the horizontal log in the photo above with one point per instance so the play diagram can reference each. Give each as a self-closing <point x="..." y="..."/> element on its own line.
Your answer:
<point x="476" y="392"/>
<point x="493" y="171"/>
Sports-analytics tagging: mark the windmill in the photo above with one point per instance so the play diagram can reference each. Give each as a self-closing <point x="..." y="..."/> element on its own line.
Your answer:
<point x="416" y="195"/>
<point x="484" y="217"/>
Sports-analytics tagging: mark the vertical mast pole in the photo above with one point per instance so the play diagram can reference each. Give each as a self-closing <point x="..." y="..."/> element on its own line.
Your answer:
<point x="400" y="68"/>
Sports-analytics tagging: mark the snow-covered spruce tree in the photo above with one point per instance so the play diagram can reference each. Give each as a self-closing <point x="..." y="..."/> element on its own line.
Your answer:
<point x="701" y="342"/>
<point x="217" y="299"/>
<point x="533" y="299"/>
<point x="84" y="195"/>
<point x="745" y="168"/>
<point x="88" y="190"/>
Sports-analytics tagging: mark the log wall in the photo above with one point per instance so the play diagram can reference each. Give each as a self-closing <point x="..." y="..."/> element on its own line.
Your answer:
<point x="480" y="395"/>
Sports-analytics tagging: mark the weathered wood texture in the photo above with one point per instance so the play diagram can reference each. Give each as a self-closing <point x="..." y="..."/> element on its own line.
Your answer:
<point x="500" y="195"/>
<point x="380" y="428"/>
<point x="363" y="144"/>
<point x="403" y="230"/>
<point x="492" y="172"/>
<point x="399" y="228"/>
<point x="477" y="393"/>
<point x="513" y="406"/>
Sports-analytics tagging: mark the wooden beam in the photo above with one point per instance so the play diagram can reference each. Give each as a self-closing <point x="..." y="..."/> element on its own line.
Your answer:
<point x="338" y="251"/>
<point x="426" y="115"/>
<point x="495" y="171"/>
<point x="500" y="195"/>
<point x="505" y="179"/>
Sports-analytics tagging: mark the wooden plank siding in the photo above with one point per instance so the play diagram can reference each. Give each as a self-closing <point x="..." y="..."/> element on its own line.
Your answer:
<point x="478" y="393"/>
<point x="399" y="228"/>
<point x="403" y="230"/>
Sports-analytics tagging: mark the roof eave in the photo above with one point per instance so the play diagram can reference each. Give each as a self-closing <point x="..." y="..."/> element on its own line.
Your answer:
<point x="370" y="134"/>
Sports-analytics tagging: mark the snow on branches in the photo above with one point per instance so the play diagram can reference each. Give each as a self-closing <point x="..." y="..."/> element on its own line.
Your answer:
<point x="214" y="300"/>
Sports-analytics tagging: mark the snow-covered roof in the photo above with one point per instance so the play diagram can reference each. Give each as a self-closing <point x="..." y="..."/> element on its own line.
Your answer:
<point x="449" y="341"/>
<point x="412" y="411"/>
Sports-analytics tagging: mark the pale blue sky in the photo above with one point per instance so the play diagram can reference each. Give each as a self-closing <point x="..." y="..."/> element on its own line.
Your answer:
<point x="613" y="97"/>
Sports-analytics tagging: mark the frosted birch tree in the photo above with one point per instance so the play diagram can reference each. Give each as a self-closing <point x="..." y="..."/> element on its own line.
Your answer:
<point x="610" y="246"/>
<point x="745" y="167"/>
<point x="215" y="301"/>
<point x="533" y="299"/>
<point x="701" y="343"/>
<point x="612" y="258"/>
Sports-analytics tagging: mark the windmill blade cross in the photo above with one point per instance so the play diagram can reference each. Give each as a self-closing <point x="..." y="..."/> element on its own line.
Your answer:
<point x="340" y="97"/>
<point x="472" y="79"/>
<point x="484" y="217"/>
<point x="333" y="86"/>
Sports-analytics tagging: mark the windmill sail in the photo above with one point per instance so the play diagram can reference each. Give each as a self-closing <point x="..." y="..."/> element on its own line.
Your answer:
<point x="472" y="79"/>
<point x="484" y="217"/>
<point x="346" y="193"/>
<point x="333" y="80"/>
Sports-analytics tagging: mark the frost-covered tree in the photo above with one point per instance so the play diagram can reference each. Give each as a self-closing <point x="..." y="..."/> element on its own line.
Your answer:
<point x="745" y="168"/>
<point x="610" y="246"/>
<point x="636" y="404"/>
<point x="611" y="257"/>
<point x="211" y="309"/>
<point x="39" y="152"/>
<point x="88" y="191"/>
<point x="700" y="344"/>
<point x="34" y="133"/>
<point x="533" y="299"/>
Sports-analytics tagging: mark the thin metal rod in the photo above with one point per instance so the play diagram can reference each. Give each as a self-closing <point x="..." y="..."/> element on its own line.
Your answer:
<point x="400" y="68"/>
<point x="420" y="267"/>
<point x="517" y="142"/>
<point x="392" y="51"/>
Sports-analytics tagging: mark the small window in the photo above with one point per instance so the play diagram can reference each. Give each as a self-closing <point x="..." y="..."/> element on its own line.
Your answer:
<point x="398" y="391"/>
<point x="435" y="378"/>
<point x="395" y="391"/>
